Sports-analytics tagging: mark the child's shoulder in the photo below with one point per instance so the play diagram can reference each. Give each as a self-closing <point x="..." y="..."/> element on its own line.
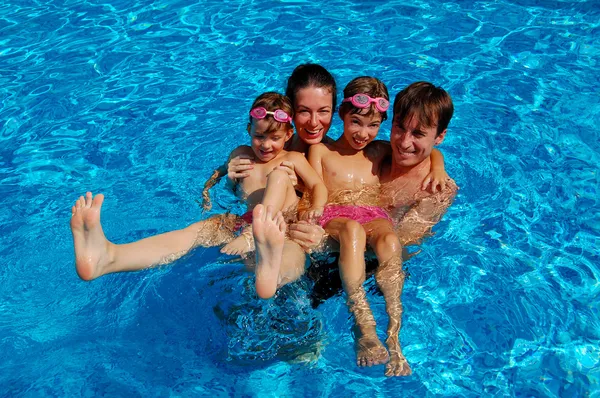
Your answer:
<point x="294" y="156"/>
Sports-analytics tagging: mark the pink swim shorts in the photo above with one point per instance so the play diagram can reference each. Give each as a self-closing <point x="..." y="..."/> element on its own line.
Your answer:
<point x="244" y="220"/>
<point x="361" y="214"/>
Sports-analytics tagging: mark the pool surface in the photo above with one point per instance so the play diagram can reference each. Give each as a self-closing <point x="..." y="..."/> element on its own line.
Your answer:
<point x="142" y="100"/>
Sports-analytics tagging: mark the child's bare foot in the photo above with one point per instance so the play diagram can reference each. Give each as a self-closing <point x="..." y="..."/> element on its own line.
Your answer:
<point x="398" y="365"/>
<point x="370" y="351"/>
<point x="91" y="246"/>
<point x="269" y="235"/>
<point x="238" y="246"/>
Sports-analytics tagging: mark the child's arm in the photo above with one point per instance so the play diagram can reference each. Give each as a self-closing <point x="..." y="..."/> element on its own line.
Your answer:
<point x="312" y="180"/>
<point x="437" y="176"/>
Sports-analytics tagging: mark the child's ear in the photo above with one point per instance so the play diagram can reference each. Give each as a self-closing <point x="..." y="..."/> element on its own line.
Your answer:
<point x="248" y="128"/>
<point x="440" y="138"/>
<point x="289" y="134"/>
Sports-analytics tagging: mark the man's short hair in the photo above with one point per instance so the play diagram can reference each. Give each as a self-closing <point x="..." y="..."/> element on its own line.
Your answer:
<point x="430" y="105"/>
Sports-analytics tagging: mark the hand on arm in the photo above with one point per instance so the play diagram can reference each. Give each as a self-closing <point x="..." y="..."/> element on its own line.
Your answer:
<point x="437" y="176"/>
<point x="239" y="164"/>
<point x="289" y="168"/>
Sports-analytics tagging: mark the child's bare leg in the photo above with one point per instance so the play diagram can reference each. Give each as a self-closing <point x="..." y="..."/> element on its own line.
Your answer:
<point x="279" y="193"/>
<point x="96" y="256"/>
<point x="293" y="263"/>
<point x="269" y="236"/>
<point x="242" y="244"/>
<point x="352" y="238"/>
<point x="390" y="279"/>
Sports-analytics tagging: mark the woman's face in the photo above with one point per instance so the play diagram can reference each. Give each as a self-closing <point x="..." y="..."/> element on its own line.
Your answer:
<point x="313" y="113"/>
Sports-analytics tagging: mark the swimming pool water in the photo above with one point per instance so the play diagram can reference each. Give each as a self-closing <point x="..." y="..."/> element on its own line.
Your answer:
<point x="141" y="101"/>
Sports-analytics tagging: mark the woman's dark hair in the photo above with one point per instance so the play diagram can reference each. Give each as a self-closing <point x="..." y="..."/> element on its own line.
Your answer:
<point x="310" y="75"/>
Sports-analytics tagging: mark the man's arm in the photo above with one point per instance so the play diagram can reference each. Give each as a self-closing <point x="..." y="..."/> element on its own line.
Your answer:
<point x="420" y="219"/>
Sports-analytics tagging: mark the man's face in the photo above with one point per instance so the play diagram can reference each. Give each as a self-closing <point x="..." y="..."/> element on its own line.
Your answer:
<point x="412" y="143"/>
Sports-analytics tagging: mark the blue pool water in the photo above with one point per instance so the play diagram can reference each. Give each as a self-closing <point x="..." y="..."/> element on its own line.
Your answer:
<point x="141" y="100"/>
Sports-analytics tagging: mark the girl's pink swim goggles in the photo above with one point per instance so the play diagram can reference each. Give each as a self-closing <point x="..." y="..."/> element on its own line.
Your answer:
<point x="279" y="115"/>
<point x="363" y="101"/>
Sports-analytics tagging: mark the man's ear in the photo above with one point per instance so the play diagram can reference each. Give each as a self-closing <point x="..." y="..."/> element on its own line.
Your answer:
<point x="440" y="138"/>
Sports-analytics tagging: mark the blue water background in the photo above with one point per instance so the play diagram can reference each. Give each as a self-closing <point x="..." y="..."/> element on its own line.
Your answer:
<point x="142" y="100"/>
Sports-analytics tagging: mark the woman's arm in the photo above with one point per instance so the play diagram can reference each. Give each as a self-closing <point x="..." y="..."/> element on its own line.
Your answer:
<point x="239" y="162"/>
<point x="212" y="181"/>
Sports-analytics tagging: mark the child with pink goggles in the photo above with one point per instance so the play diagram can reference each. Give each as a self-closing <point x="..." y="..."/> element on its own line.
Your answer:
<point x="279" y="115"/>
<point x="364" y="101"/>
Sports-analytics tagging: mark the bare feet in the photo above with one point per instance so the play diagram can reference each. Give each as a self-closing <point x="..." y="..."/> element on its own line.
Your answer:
<point x="238" y="246"/>
<point x="398" y="365"/>
<point x="91" y="246"/>
<point x="370" y="351"/>
<point x="269" y="236"/>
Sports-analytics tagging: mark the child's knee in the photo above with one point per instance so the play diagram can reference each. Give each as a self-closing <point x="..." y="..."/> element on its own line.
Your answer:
<point x="278" y="177"/>
<point x="388" y="242"/>
<point x="352" y="230"/>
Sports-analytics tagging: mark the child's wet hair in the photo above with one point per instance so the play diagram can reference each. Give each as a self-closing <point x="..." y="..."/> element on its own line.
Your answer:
<point x="310" y="75"/>
<point x="272" y="101"/>
<point x="371" y="86"/>
<point x="430" y="105"/>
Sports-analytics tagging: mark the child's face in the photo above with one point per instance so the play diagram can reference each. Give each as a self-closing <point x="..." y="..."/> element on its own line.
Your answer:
<point x="313" y="113"/>
<point x="411" y="142"/>
<point x="267" y="146"/>
<point x="360" y="129"/>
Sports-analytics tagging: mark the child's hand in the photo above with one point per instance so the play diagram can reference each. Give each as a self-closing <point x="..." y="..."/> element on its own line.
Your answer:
<point x="312" y="215"/>
<point x="288" y="167"/>
<point x="435" y="178"/>
<point x="238" y="167"/>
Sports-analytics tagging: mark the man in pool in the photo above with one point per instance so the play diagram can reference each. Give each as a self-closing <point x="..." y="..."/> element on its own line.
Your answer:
<point x="421" y="116"/>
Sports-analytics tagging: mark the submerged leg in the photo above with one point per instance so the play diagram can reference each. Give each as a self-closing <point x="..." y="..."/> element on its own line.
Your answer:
<point x="390" y="279"/>
<point x="352" y="238"/>
<point x="96" y="256"/>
